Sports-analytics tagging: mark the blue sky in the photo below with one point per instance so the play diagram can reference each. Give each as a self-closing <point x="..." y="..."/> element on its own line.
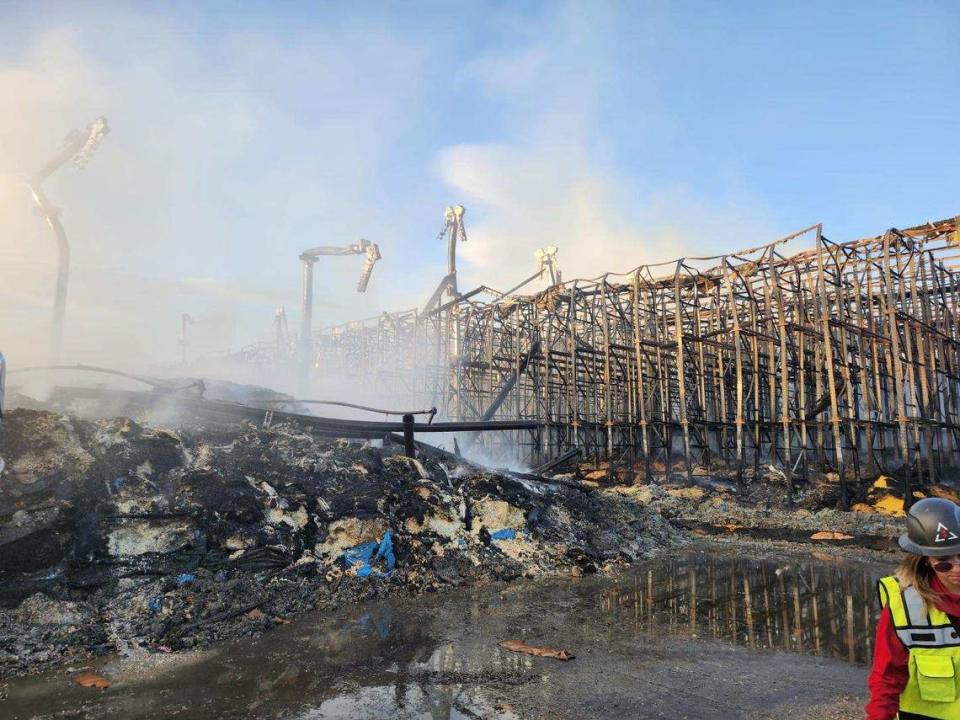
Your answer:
<point x="623" y="133"/>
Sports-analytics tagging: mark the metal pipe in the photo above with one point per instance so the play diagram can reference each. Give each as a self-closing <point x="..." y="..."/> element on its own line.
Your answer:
<point x="551" y="465"/>
<point x="306" y="324"/>
<point x="51" y="215"/>
<point x="184" y="321"/>
<point x="410" y="450"/>
<point x="280" y="320"/>
<point x="536" y="275"/>
<point x="3" y="385"/>
<point x="3" y="381"/>
<point x="293" y="401"/>
<point x="333" y="427"/>
<point x="153" y="382"/>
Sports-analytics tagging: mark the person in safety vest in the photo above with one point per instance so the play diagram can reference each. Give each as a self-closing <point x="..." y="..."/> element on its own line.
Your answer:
<point x="916" y="657"/>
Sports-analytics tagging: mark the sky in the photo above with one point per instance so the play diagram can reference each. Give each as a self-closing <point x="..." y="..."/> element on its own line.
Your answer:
<point x="622" y="133"/>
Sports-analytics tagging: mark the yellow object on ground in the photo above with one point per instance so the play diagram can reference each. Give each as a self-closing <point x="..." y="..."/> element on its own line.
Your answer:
<point x="690" y="493"/>
<point x="889" y="505"/>
<point x="942" y="492"/>
<point x="830" y="535"/>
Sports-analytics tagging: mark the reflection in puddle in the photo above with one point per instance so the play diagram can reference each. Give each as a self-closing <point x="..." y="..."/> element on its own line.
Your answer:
<point x="436" y="702"/>
<point x="809" y="607"/>
<point x="378" y="620"/>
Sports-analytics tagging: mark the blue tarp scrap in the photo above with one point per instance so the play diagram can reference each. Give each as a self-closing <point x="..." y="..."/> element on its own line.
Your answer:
<point x="385" y="550"/>
<point x="185" y="578"/>
<point x="359" y="553"/>
<point x="510" y="534"/>
<point x="369" y="553"/>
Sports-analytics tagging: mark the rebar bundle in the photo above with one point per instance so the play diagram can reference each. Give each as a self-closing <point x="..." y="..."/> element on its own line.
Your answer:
<point x="844" y="357"/>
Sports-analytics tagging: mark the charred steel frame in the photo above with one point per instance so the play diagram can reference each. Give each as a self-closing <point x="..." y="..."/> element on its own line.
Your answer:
<point x="843" y="357"/>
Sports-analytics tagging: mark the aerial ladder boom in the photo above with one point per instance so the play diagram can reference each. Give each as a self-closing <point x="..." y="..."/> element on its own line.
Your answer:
<point x="454" y="229"/>
<point x="78" y="146"/>
<point x="370" y="250"/>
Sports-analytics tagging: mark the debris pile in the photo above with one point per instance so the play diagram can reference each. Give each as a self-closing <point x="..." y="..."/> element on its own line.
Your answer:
<point x="755" y="511"/>
<point x="765" y="498"/>
<point x="115" y="536"/>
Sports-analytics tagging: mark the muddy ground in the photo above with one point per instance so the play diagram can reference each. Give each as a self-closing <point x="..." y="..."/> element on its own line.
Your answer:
<point x="672" y="637"/>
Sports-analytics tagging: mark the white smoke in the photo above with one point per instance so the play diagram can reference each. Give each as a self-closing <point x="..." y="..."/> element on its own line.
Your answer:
<point x="209" y="185"/>
<point x="555" y="179"/>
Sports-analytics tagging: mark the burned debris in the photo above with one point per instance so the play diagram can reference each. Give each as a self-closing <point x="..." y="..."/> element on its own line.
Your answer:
<point x="118" y="536"/>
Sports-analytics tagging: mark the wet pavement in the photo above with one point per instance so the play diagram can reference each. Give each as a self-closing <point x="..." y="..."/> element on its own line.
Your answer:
<point x="692" y="634"/>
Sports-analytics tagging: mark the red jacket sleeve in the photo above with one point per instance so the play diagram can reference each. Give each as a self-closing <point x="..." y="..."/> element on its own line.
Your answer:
<point x="890" y="671"/>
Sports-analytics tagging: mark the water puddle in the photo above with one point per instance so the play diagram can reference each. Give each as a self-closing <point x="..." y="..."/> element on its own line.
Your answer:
<point x="436" y="657"/>
<point x="808" y="606"/>
<point x="403" y="702"/>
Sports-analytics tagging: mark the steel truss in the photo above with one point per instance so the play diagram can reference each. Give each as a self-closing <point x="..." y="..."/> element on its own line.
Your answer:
<point x="843" y="357"/>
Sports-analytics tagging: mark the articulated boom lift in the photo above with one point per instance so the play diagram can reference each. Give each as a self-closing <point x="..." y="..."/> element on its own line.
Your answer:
<point x="78" y="146"/>
<point x="308" y="258"/>
<point x="454" y="230"/>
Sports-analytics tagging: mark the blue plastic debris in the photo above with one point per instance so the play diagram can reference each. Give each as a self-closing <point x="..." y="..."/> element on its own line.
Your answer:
<point x="369" y="553"/>
<point x="362" y="553"/>
<point x="385" y="551"/>
<point x="504" y="534"/>
<point x="185" y="578"/>
<point x="155" y="604"/>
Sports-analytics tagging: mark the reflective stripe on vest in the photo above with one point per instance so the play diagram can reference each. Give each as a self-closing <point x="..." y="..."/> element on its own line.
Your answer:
<point x="933" y="685"/>
<point x="915" y="627"/>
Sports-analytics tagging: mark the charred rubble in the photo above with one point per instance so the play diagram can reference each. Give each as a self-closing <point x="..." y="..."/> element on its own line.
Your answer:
<point x="116" y="536"/>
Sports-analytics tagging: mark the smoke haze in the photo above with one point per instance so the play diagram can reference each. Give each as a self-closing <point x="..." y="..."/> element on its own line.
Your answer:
<point x="204" y="192"/>
<point x="240" y="138"/>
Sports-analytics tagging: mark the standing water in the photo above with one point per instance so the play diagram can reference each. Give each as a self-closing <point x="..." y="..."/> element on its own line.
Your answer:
<point x="651" y="637"/>
<point x="809" y="606"/>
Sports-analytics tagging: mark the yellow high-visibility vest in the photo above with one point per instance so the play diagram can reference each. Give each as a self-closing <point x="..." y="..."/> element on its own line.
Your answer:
<point x="934" y="647"/>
